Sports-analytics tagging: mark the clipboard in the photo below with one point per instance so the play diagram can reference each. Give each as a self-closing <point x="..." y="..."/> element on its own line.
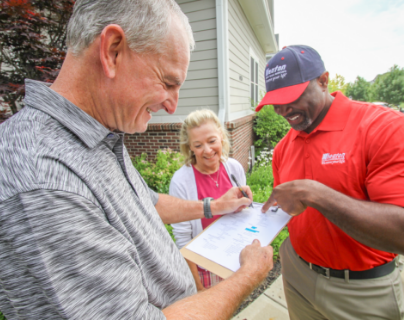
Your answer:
<point x="210" y="265"/>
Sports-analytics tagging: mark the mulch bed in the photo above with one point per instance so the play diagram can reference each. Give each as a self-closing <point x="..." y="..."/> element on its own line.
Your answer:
<point x="272" y="276"/>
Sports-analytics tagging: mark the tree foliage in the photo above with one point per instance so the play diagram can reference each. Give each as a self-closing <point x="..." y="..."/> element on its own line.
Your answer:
<point x="32" y="44"/>
<point x="337" y="84"/>
<point x="358" y="90"/>
<point x="389" y="87"/>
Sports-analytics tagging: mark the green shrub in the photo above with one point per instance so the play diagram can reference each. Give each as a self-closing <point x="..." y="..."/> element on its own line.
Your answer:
<point x="276" y="244"/>
<point x="170" y="231"/>
<point x="158" y="174"/>
<point x="2" y="317"/>
<point x="269" y="127"/>
<point x="261" y="179"/>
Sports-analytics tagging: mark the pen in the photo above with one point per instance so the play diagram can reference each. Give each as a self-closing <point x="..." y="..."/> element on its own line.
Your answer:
<point x="241" y="189"/>
<point x="275" y="207"/>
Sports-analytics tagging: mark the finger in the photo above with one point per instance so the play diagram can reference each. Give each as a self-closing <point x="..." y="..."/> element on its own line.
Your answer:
<point x="256" y="242"/>
<point x="239" y="209"/>
<point x="270" y="202"/>
<point x="248" y="191"/>
<point x="243" y="202"/>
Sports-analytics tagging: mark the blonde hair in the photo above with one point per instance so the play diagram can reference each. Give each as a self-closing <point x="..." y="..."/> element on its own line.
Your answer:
<point x="196" y="119"/>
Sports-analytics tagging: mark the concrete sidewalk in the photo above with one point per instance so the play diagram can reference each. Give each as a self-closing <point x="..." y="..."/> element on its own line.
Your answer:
<point x="271" y="305"/>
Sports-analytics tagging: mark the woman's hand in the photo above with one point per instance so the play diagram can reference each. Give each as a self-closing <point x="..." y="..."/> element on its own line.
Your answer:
<point x="232" y="201"/>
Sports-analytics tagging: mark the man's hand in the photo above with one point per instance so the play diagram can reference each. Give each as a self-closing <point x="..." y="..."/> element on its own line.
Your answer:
<point x="291" y="196"/>
<point x="257" y="260"/>
<point x="232" y="201"/>
<point x="220" y="301"/>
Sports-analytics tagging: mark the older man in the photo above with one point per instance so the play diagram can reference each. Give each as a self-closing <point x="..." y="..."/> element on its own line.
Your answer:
<point x="340" y="172"/>
<point x="80" y="234"/>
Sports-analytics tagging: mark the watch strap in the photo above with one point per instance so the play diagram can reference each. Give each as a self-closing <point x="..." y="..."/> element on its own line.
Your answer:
<point x="206" y="208"/>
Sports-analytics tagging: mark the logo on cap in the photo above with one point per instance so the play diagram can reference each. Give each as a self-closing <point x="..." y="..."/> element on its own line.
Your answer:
<point x="279" y="72"/>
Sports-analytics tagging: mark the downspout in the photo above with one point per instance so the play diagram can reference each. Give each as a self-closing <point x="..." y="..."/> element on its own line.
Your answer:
<point x="222" y="58"/>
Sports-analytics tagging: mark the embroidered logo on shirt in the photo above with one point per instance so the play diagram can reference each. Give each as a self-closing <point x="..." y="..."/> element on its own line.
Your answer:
<point x="333" y="158"/>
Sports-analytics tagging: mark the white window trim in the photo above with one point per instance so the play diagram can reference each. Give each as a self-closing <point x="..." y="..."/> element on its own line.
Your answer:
<point x="254" y="100"/>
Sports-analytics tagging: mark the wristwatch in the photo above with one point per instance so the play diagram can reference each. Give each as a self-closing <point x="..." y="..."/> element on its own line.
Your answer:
<point x="206" y="207"/>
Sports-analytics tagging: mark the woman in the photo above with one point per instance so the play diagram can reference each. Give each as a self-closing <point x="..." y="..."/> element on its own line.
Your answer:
<point x="206" y="173"/>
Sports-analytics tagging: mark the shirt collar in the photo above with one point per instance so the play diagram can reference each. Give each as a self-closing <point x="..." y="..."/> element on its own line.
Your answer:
<point x="335" y="119"/>
<point x="39" y="96"/>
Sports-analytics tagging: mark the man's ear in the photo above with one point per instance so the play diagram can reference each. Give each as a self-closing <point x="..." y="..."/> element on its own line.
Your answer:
<point x="323" y="80"/>
<point x="112" y="46"/>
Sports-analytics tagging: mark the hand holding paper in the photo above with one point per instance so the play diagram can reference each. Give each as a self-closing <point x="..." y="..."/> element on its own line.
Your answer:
<point x="258" y="260"/>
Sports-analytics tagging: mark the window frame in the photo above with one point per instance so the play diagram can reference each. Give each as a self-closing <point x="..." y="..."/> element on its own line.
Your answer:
<point x="253" y="77"/>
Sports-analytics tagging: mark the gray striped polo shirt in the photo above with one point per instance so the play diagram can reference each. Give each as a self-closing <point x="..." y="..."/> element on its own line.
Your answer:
<point x="80" y="237"/>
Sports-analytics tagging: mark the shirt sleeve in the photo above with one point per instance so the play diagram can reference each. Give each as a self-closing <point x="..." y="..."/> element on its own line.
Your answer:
<point x="64" y="260"/>
<point x="183" y="230"/>
<point x="385" y="160"/>
<point x="154" y="196"/>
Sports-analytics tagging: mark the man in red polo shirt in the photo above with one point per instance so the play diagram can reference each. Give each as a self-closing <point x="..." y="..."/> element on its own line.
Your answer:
<point x="340" y="173"/>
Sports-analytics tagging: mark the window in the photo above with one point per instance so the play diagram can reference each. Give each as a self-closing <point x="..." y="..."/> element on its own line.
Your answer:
<point x="254" y="80"/>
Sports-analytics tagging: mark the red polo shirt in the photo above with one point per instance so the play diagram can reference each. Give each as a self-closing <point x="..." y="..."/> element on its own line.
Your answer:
<point x="358" y="150"/>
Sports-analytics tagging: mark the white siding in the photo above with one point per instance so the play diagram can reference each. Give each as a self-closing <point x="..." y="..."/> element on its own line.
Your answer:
<point x="241" y="39"/>
<point x="201" y="86"/>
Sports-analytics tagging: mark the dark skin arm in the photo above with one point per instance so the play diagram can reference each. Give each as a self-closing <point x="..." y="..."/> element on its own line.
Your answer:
<point x="377" y="225"/>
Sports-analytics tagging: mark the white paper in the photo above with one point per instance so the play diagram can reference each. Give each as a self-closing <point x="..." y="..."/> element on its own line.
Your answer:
<point x="223" y="241"/>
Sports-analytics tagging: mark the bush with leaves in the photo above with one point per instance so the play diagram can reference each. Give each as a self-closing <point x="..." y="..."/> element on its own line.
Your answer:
<point x="269" y="127"/>
<point x="276" y="244"/>
<point x="158" y="174"/>
<point x="261" y="180"/>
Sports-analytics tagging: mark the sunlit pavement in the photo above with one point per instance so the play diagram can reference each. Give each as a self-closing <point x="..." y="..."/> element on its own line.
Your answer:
<point x="271" y="305"/>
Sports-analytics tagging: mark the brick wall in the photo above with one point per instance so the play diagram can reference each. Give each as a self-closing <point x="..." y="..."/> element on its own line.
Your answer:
<point x="161" y="136"/>
<point x="241" y="136"/>
<point x="157" y="136"/>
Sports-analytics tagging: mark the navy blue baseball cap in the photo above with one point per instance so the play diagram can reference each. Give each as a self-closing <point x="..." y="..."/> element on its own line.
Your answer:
<point x="288" y="74"/>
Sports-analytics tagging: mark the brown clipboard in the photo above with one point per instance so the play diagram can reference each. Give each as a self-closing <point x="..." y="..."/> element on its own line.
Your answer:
<point x="209" y="264"/>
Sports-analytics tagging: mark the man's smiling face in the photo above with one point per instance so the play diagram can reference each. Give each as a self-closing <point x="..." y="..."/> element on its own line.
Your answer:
<point x="306" y="113"/>
<point x="151" y="82"/>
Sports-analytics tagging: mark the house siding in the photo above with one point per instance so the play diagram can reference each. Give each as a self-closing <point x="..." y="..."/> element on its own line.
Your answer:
<point x="241" y="39"/>
<point x="200" y="90"/>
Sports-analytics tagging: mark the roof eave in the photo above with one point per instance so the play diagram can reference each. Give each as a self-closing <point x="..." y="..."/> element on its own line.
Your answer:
<point x="259" y="17"/>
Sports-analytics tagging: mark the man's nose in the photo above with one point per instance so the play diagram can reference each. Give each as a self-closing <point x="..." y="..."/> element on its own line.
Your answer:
<point x="172" y="101"/>
<point x="282" y="110"/>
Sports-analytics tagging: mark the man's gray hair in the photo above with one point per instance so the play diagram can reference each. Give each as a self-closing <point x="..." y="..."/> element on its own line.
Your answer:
<point x="146" y="23"/>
